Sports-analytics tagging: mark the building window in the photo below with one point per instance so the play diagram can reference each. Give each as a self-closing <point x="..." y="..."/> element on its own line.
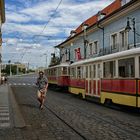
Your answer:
<point x="109" y="69"/>
<point x="123" y="39"/>
<point x="100" y="15"/>
<point x="95" y="49"/>
<point x="113" y="41"/>
<point x="67" y="54"/>
<point x="123" y="2"/>
<point x="90" y="48"/>
<point x="126" y="67"/>
<point x="77" y="54"/>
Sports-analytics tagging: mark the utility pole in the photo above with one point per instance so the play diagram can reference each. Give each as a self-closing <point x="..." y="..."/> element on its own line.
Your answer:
<point x="10" y="67"/>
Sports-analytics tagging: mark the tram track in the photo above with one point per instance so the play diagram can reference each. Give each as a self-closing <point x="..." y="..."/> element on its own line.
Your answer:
<point x="125" y="109"/>
<point x="104" y="119"/>
<point x="62" y="120"/>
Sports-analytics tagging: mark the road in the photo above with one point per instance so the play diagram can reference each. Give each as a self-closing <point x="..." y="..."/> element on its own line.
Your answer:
<point x="66" y="117"/>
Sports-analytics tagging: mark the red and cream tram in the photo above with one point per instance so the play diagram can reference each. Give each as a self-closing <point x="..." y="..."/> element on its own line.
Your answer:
<point x="58" y="75"/>
<point x="109" y="78"/>
<point x="113" y="77"/>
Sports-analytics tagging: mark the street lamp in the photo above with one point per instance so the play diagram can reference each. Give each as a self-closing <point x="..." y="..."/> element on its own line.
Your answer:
<point x="128" y="28"/>
<point x="84" y="27"/>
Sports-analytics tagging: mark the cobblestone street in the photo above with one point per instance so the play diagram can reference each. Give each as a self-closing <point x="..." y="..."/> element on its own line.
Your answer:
<point x="66" y="117"/>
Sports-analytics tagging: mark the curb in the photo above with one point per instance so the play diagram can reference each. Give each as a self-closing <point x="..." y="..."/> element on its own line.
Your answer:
<point x="17" y="117"/>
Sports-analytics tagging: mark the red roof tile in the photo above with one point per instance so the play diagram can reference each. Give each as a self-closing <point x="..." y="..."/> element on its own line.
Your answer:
<point x="108" y="10"/>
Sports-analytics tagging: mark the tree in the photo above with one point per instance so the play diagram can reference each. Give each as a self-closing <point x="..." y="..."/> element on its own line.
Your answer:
<point x="55" y="60"/>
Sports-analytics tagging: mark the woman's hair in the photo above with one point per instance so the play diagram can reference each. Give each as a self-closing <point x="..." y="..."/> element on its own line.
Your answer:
<point x="41" y="72"/>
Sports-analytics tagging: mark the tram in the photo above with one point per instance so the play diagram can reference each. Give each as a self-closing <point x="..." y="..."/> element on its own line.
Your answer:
<point x="58" y="76"/>
<point x="110" y="78"/>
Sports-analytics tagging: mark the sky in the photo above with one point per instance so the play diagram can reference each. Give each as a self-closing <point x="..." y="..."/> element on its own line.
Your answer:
<point x="34" y="27"/>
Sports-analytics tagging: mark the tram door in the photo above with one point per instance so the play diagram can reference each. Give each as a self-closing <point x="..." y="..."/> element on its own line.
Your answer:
<point x="88" y="79"/>
<point x="95" y="81"/>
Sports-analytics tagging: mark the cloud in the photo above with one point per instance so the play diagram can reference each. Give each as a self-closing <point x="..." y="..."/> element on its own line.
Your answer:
<point x="27" y="19"/>
<point x="17" y="17"/>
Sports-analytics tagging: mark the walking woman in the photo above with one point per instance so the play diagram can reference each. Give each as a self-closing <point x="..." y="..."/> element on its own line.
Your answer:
<point x="42" y="83"/>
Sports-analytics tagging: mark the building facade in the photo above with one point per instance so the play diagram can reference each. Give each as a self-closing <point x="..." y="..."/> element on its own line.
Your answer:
<point x="104" y="33"/>
<point x="2" y="20"/>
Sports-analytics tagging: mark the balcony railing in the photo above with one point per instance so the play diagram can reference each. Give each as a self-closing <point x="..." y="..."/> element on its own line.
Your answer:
<point x="109" y="50"/>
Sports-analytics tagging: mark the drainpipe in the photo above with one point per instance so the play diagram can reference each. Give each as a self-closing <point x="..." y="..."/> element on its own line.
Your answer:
<point x="102" y="28"/>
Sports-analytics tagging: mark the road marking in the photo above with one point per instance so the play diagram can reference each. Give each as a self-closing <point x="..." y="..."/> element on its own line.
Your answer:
<point x="4" y="117"/>
<point x="23" y="84"/>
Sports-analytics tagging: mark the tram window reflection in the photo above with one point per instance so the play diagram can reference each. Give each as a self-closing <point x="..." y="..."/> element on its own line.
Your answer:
<point x="64" y="70"/>
<point x="109" y="69"/>
<point x="126" y="67"/>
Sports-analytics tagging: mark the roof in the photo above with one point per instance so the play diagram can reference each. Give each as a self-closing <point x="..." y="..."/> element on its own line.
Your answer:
<point x="93" y="20"/>
<point x="60" y="65"/>
<point x="108" y="10"/>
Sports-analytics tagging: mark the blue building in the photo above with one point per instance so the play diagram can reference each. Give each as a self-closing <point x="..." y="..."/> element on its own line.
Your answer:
<point x="104" y="33"/>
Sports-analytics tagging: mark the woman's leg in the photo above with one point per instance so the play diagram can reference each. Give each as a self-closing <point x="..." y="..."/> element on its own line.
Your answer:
<point x="43" y="95"/>
<point x="39" y="96"/>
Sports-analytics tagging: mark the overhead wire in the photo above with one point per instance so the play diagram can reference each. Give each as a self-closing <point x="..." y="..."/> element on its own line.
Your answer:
<point x="50" y="18"/>
<point x="54" y="13"/>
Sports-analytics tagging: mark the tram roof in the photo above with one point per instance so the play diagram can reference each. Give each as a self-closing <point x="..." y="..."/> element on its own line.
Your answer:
<point x="60" y="65"/>
<point x="133" y="51"/>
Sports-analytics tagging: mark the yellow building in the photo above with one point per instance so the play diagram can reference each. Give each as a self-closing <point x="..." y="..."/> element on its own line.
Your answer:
<point x="2" y="17"/>
<point x="2" y="20"/>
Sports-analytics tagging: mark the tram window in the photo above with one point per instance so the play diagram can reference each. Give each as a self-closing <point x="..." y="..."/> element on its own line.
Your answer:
<point x="86" y="71"/>
<point x="90" y="71"/>
<point x="68" y="71"/>
<point x="109" y="69"/>
<point x="64" y="70"/>
<point x="78" y="72"/>
<point x="59" y="71"/>
<point x="53" y="72"/>
<point x="72" y="73"/>
<point x="94" y="71"/>
<point x="126" y="67"/>
<point x="82" y="72"/>
<point x="99" y="71"/>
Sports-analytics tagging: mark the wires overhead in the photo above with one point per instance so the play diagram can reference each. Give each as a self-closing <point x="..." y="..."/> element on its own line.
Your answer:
<point x="51" y="17"/>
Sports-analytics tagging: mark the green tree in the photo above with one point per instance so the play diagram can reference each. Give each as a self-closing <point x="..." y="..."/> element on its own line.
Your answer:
<point x="55" y="60"/>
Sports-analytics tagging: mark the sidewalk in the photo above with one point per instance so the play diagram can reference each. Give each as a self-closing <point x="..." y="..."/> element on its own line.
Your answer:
<point x="4" y="107"/>
<point x="10" y="115"/>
